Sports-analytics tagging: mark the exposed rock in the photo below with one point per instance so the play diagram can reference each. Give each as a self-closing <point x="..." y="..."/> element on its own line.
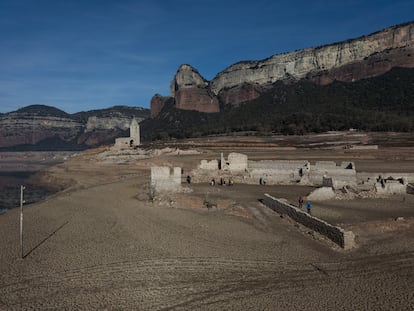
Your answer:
<point x="394" y="45"/>
<point x="187" y="77"/>
<point x="239" y="94"/>
<point x="190" y="91"/>
<point x="107" y="123"/>
<point x="54" y="129"/>
<point x="350" y="60"/>
<point x="25" y="128"/>
<point x="196" y="99"/>
<point x="157" y="103"/>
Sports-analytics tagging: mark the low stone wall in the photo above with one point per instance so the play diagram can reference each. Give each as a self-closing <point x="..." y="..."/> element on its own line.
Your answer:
<point x="363" y="147"/>
<point x="278" y="164"/>
<point x="372" y="177"/>
<point x="345" y="239"/>
<point x="122" y="143"/>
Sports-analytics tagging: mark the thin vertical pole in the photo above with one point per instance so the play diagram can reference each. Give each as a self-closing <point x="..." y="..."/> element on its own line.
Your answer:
<point x="21" y="220"/>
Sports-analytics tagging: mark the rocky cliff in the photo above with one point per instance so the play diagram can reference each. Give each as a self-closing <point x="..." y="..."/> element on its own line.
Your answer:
<point x="350" y="60"/>
<point x="46" y="127"/>
<point x="381" y="103"/>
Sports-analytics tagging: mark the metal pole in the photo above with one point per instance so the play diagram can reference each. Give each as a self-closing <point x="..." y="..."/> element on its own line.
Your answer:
<point x="21" y="220"/>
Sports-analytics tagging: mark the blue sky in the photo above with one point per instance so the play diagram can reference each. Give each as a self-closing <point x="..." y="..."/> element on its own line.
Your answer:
<point x="80" y="55"/>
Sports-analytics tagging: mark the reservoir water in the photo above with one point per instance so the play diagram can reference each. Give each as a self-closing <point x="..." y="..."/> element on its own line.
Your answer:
<point x="16" y="168"/>
<point x="10" y="183"/>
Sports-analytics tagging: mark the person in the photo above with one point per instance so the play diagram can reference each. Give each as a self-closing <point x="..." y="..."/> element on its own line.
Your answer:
<point x="309" y="207"/>
<point x="221" y="181"/>
<point x="188" y="179"/>
<point x="300" y="202"/>
<point x="230" y="182"/>
<point x="212" y="182"/>
<point x="261" y="181"/>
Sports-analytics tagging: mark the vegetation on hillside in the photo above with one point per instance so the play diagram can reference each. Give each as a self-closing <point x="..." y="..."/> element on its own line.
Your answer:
<point x="384" y="103"/>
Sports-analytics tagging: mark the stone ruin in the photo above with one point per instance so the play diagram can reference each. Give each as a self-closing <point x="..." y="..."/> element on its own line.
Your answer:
<point x="337" y="180"/>
<point x="333" y="175"/>
<point x="133" y="140"/>
<point x="276" y="172"/>
<point x="165" y="180"/>
<point x="236" y="162"/>
<point x="391" y="185"/>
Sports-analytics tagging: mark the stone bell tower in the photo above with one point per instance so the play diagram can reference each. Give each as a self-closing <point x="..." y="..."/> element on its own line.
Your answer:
<point x="134" y="134"/>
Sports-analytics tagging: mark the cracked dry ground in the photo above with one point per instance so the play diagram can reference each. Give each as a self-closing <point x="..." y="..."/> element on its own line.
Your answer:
<point x="104" y="247"/>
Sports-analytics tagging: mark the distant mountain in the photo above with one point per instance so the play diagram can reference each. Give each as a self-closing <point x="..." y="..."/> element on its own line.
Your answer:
<point x="42" y="111"/>
<point x="39" y="127"/>
<point x="364" y="82"/>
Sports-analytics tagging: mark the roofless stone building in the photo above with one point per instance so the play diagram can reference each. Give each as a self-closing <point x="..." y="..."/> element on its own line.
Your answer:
<point x="134" y="138"/>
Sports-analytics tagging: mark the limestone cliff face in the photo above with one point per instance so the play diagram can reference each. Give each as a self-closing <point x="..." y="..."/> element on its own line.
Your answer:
<point x="108" y="123"/>
<point x="25" y="128"/>
<point x="301" y="63"/>
<point x="350" y="60"/>
<point x="191" y="91"/>
<point x="187" y="77"/>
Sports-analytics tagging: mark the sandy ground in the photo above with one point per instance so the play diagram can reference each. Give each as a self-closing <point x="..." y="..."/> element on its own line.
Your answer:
<point x="102" y="245"/>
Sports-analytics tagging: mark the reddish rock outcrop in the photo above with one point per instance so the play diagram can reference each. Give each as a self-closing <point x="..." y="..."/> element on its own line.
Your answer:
<point x="240" y="94"/>
<point x="350" y="60"/>
<point x="157" y="103"/>
<point x="196" y="99"/>
<point x="191" y="91"/>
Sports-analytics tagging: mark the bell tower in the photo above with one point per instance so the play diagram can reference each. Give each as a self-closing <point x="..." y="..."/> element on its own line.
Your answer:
<point x="134" y="133"/>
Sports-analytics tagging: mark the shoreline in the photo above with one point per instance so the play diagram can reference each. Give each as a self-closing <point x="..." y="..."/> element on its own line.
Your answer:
<point x="28" y="169"/>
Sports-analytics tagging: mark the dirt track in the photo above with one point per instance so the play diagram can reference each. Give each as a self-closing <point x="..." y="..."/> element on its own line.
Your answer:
<point x="103" y="245"/>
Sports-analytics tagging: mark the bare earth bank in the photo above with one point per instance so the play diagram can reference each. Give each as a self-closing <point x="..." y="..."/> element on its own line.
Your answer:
<point x="101" y="244"/>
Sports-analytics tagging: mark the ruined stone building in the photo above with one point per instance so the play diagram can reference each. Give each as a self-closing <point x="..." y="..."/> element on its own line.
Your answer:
<point x="134" y="138"/>
<point x="165" y="179"/>
<point x="276" y="172"/>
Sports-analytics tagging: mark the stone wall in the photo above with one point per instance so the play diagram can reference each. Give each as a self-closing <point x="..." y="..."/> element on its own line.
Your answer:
<point x="345" y="239"/>
<point x="390" y="187"/>
<point x="133" y="139"/>
<point x="279" y="171"/>
<point x="276" y="172"/>
<point x="122" y="143"/>
<point x="165" y="179"/>
<point x="341" y="175"/>
<point x="363" y="147"/>
<point x="237" y="162"/>
<point x="364" y="177"/>
<point x="208" y="165"/>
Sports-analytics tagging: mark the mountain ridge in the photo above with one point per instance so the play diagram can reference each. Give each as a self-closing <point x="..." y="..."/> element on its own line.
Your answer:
<point x="349" y="60"/>
<point x="381" y="103"/>
<point x="39" y="127"/>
